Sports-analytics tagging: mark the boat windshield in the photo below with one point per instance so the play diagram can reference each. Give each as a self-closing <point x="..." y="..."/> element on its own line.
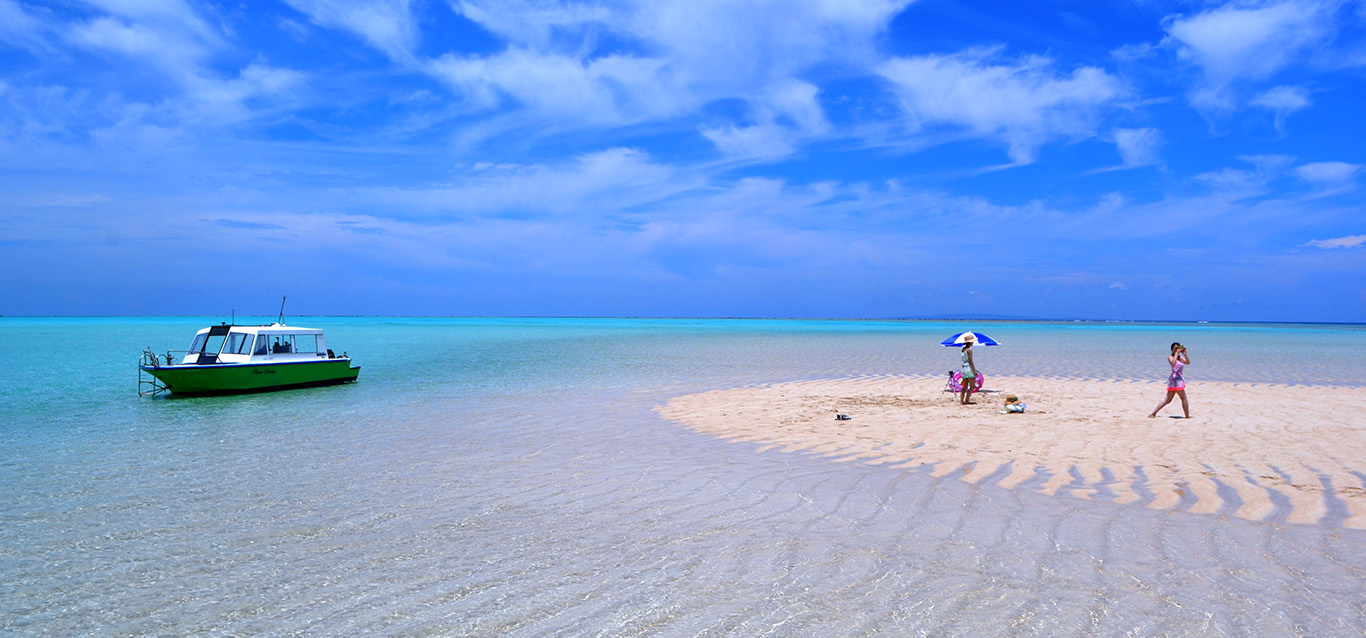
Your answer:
<point x="238" y="343"/>
<point x="213" y="344"/>
<point x="198" y="344"/>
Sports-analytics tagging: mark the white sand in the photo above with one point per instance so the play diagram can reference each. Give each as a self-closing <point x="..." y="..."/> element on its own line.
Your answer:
<point x="1307" y="443"/>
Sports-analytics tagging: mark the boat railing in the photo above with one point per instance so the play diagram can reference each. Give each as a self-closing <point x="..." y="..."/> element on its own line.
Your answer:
<point x="172" y="357"/>
<point x="149" y="385"/>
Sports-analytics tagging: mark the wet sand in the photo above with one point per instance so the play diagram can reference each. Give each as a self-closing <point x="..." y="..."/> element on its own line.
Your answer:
<point x="1256" y="451"/>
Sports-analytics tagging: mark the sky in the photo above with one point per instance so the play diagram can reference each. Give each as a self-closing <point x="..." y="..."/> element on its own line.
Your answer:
<point x="1056" y="159"/>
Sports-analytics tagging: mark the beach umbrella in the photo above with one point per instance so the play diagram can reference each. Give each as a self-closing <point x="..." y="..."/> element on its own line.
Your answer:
<point x="956" y="341"/>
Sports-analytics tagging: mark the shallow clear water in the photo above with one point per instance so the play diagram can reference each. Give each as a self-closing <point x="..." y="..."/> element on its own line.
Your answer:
<point x="509" y="477"/>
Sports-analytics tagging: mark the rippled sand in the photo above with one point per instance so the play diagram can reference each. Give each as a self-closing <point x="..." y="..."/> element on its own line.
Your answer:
<point x="1257" y="451"/>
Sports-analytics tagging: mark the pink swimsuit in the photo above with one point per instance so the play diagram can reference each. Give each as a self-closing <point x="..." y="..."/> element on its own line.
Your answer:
<point x="1176" y="381"/>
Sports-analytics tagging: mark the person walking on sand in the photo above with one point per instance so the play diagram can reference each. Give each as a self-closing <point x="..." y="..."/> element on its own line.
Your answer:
<point x="1176" y="383"/>
<point x="969" y="380"/>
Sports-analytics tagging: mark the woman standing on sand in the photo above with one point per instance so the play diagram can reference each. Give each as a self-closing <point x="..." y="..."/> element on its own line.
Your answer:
<point x="1176" y="383"/>
<point x="969" y="380"/>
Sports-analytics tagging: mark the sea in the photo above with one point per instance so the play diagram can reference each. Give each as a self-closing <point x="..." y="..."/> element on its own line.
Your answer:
<point x="510" y="477"/>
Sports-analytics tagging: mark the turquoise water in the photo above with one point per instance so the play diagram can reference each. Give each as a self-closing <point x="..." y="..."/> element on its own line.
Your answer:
<point x="509" y="477"/>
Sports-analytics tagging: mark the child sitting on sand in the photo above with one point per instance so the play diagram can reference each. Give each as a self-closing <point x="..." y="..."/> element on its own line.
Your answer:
<point x="1013" y="405"/>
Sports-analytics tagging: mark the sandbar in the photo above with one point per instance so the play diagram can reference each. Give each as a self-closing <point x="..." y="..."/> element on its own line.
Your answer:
<point x="1256" y="451"/>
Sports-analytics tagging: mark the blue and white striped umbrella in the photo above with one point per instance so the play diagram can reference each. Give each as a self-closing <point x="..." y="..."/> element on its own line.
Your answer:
<point x="956" y="341"/>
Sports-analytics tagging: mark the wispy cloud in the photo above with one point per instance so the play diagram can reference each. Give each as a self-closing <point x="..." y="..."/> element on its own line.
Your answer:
<point x="1023" y="103"/>
<point x="530" y="143"/>
<point x="567" y="90"/>
<point x="387" y="25"/>
<point x="542" y="25"/>
<point x="1350" y="241"/>
<point x="760" y="141"/>
<point x="1138" y="147"/>
<point x="1246" y="41"/>
<point x="608" y="181"/>
<point x="1241" y="183"/>
<point x="1282" y="101"/>
<point x="784" y="114"/>
<point x="1329" y="173"/>
<point x="154" y="70"/>
<point x="171" y="36"/>
<point x="666" y="59"/>
<point x="21" y="29"/>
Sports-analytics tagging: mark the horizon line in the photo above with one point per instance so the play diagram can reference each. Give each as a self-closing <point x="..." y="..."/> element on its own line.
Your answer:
<point x="944" y="318"/>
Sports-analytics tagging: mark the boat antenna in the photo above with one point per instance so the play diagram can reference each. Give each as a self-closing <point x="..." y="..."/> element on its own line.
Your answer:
<point x="234" y="316"/>
<point x="281" y="320"/>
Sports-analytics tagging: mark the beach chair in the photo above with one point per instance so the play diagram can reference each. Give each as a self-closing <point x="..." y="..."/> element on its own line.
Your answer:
<point x="955" y="382"/>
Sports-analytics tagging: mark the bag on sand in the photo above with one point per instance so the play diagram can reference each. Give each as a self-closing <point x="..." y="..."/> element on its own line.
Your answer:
<point x="1013" y="405"/>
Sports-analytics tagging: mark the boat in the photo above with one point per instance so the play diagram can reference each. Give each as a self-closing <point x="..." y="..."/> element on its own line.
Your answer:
<point x="230" y="359"/>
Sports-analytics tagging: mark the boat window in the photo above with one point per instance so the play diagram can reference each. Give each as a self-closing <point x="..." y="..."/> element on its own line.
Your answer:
<point x="282" y="344"/>
<point x="306" y="343"/>
<point x="262" y="344"/>
<point x="198" y="345"/>
<point x="214" y="344"/>
<point x="238" y="343"/>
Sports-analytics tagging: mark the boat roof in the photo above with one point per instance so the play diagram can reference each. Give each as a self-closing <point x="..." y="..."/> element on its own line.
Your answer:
<point x="272" y="329"/>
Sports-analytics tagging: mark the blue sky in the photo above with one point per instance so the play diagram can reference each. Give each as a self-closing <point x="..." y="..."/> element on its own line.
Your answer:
<point x="1140" y="159"/>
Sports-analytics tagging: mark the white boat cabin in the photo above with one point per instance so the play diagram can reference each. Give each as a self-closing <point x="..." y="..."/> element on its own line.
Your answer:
<point x="276" y="343"/>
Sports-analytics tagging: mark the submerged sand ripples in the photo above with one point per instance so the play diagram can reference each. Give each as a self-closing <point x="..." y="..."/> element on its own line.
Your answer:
<point x="1256" y="451"/>
<point x="521" y="485"/>
<point x="583" y="515"/>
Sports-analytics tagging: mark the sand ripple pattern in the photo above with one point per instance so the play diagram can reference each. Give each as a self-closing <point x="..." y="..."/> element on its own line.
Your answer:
<point x="1255" y="451"/>
<point x="585" y="515"/>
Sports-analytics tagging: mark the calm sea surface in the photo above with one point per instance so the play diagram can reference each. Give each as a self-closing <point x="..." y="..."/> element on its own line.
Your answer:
<point x="508" y="477"/>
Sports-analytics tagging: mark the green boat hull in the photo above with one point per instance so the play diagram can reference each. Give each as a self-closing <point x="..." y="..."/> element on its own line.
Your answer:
<point x="232" y="378"/>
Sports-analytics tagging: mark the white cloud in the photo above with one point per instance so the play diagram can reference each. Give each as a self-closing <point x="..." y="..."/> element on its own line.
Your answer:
<point x="795" y="102"/>
<point x="387" y="25"/>
<point x="608" y="180"/>
<point x="1233" y="180"/>
<point x="157" y="70"/>
<point x="1119" y="285"/>
<point x="608" y="91"/>
<point x="20" y="29"/>
<point x="1246" y="41"/>
<point x="1351" y="241"/>
<point x="1282" y="101"/>
<point x="726" y="48"/>
<point x="666" y="58"/>
<point x="1329" y="173"/>
<point x="168" y="35"/>
<point x="1023" y="104"/>
<point x="1269" y="164"/>
<point x="29" y="113"/>
<point x="1138" y="146"/>
<point x="1241" y="183"/>
<point x="786" y="113"/>
<point x="761" y="141"/>
<point x="536" y="23"/>
<point x="222" y="101"/>
<point x="164" y="13"/>
<point x="171" y="48"/>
